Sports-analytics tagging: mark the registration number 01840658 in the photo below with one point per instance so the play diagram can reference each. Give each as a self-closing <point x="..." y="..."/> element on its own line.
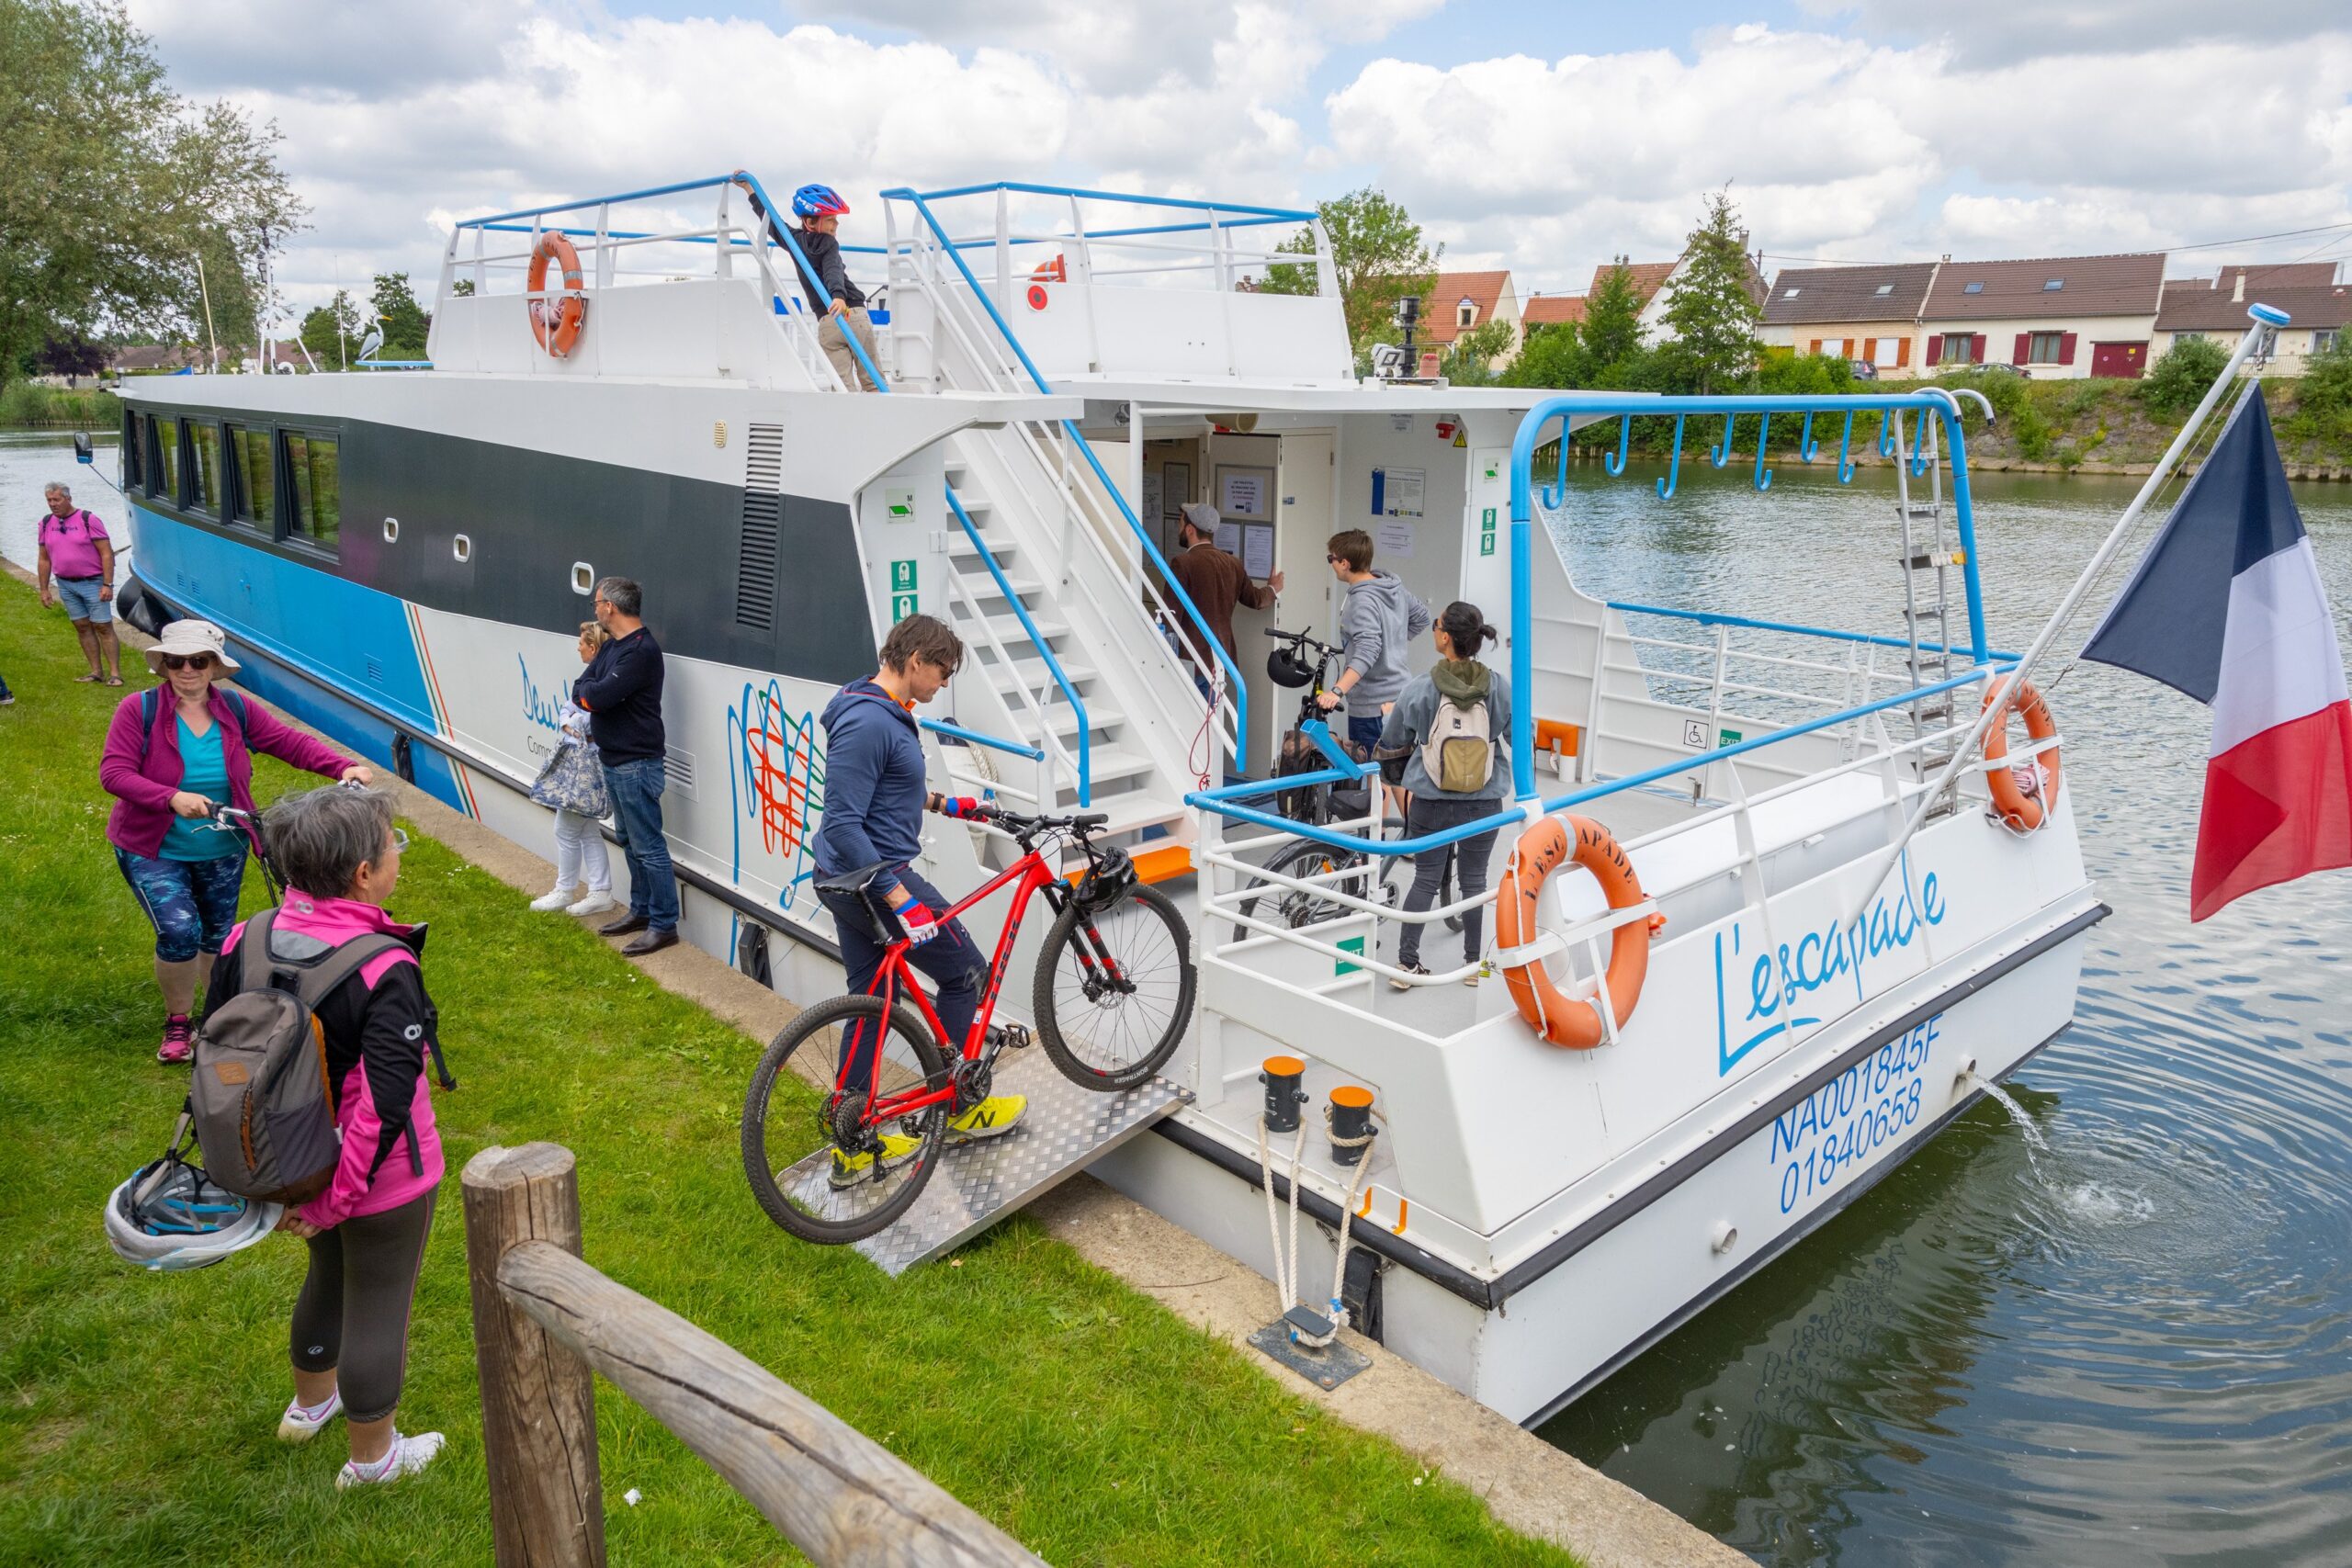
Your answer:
<point x="1835" y="1130"/>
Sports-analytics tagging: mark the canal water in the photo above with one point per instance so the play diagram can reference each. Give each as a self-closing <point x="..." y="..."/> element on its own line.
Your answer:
<point x="2133" y="1345"/>
<point x="31" y="459"/>
<point x="2130" y="1345"/>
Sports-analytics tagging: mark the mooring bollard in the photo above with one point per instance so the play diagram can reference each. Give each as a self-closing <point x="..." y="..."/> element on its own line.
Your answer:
<point x="1284" y="1097"/>
<point x="1351" y="1119"/>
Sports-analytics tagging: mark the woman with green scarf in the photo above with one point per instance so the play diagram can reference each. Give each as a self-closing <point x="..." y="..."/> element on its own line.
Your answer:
<point x="1450" y="722"/>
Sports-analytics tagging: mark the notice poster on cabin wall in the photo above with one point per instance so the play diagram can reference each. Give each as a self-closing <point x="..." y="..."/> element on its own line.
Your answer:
<point x="1392" y="538"/>
<point x="1175" y="489"/>
<point x="1257" y="550"/>
<point x="1398" y="492"/>
<point x="1246" y="493"/>
<point x="1152" y="506"/>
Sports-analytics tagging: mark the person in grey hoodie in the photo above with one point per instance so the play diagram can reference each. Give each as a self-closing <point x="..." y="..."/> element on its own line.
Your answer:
<point x="1378" y="621"/>
<point x="1461" y="682"/>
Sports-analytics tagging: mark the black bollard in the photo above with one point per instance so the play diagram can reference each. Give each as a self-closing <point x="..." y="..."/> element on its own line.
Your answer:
<point x="1284" y="1097"/>
<point x="1351" y="1118"/>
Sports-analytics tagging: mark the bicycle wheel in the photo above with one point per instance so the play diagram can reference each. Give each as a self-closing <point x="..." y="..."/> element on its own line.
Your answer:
<point x="793" y="1121"/>
<point x="1308" y="859"/>
<point x="1115" y="990"/>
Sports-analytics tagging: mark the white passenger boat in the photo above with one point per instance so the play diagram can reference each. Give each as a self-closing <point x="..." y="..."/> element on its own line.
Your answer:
<point x="1852" y="944"/>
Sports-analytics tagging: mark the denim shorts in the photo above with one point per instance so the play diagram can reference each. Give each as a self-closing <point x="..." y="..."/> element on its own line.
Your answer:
<point x="84" y="598"/>
<point x="192" y="904"/>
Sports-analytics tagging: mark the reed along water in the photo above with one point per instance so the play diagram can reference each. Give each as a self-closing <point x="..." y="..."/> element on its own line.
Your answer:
<point x="2132" y="1346"/>
<point x="2130" y="1343"/>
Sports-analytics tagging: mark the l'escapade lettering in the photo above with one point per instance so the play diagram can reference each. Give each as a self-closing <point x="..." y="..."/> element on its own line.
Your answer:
<point x="1778" y="978"/>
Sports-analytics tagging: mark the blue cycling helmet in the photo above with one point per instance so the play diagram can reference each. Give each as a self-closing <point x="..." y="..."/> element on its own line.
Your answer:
<point x="817" y="201"/>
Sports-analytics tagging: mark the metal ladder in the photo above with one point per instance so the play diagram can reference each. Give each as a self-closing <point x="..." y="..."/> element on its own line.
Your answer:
<point x="1927" y="551"/>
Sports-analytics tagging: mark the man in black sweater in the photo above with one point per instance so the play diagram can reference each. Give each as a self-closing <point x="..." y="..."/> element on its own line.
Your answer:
<point x="621" y="689"/>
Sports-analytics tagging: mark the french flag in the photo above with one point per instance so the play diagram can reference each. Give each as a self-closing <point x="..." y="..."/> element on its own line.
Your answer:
<point x="2227" y="606"/>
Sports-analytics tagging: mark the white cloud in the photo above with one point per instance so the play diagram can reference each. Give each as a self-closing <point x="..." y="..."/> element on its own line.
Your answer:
<point x="2005" y="31"/>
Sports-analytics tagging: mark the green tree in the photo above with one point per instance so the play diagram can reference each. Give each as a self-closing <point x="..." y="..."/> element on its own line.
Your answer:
<point x="1470" y="360"/>
<point x="404" y="321"/>
<point x="112" y="185"/>
<point x="1377" y="257"/>
<point x="2182" y="373"/>
<point x="330" y="331"/>
<point x="1612" y="319"/>
<point x="1553" y="356"/>
<point x="1708" y="306"/>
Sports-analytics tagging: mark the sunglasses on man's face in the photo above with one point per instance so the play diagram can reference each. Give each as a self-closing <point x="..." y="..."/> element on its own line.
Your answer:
<point x="1330" y="560"/>
<point x="187" y="662"/>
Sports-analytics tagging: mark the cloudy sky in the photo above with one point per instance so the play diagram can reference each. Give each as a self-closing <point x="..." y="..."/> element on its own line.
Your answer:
<point x="1541" y="136"/>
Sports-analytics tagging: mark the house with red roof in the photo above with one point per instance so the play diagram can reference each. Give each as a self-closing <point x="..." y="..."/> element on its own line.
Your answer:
<point x="2051" y="316"/>
<point x="2316" y="296"/>
<point x="1867" y="314"/>
<point x="1461" y="300"/>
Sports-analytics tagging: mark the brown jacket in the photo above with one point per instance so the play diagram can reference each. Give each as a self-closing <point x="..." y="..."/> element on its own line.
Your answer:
<point x="1217" y="585"/>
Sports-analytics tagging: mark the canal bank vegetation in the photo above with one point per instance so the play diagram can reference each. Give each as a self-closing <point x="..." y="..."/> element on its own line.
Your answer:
<point x="139" y="1409"/>
<point x="29" y="405"/>
<point x="124" y="207"/>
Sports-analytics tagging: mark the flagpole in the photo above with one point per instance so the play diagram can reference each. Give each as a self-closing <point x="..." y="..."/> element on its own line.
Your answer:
<point x="2262" y="316"/>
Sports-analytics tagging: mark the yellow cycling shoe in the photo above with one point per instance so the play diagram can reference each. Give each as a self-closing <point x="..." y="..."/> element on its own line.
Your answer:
<point x="992" y="1118"/>
<point x="896" y="1149"/>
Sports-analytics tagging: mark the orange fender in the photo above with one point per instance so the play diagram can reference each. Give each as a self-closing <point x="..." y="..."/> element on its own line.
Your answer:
<point x="1575" y="1023"/>
<point x="556" y="323"/>
<point x="2022" y="809"/>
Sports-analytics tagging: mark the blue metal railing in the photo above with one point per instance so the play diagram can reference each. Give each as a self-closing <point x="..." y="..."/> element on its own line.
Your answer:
<point x="1711" y="619"/>
<point x="1225" y="801"/>
<point x="1085" y="762"/>
<point x="1131" y="198"/>
<point x="975" y="737"/>
<point x="1208" y="639"/>
<point x="1562" y="409"/>
<point x="501" y="222"/>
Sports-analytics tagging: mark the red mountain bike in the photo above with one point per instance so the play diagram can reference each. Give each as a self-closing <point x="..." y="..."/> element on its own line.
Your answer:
<point x="1112" y="994"/>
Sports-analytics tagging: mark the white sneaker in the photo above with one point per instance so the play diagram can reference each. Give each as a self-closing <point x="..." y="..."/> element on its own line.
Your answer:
<point x="405" y="1457"/>
<point x="300" y="1425"/>
<point x="594" y="903"/>
<point x="548" y="902"/>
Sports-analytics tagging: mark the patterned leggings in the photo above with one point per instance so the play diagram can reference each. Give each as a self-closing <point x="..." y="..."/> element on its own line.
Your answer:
<point x="191" y="903"/>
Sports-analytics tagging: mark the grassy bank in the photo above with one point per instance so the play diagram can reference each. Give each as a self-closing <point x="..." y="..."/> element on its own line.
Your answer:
<point x="26" y="403"/>
<point x="136" y="1410"/>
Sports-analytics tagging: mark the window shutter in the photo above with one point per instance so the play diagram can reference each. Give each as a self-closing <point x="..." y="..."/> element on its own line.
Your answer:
<point x="1977" y="349"/>
<point x="2025" y="349"/>
<point x="1816" y="344"/>
<point x="1935" y="349"/>
<point x="1846" y="348"/>
<point x="1902" y="352"/>
<point x="1870" y="349"/>
<point x="2066" y="348"/>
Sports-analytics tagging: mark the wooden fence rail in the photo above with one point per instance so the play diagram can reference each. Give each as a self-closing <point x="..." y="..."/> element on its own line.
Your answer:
<point x="544" y="1322"/>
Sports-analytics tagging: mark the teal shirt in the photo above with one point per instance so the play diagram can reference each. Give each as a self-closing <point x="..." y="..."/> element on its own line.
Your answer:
<point x="203" y="770"/>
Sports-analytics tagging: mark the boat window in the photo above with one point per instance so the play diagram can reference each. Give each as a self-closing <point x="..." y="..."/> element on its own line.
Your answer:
<point x="316" y="496"/>
<point x="203" y="439"/>
<point x="163" y="445"/>
<point x="133" y="449"/>
<point x="253" y="477"/>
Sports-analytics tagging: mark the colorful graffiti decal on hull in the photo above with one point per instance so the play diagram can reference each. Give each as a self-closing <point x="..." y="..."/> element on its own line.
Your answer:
<point x="778" y="782"/>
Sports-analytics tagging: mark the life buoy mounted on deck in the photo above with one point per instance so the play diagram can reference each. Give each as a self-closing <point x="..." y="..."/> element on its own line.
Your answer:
<point x="1572" y="1022"/>
<point x="2022" y="804"/>
<point x="556" y="322"/>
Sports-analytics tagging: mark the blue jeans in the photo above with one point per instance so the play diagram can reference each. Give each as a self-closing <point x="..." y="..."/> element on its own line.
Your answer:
<point x="1366" y="732"/>
<point x="952" y="959"/>
<point x="192" y="904"/>
<point x="636" y="788"/>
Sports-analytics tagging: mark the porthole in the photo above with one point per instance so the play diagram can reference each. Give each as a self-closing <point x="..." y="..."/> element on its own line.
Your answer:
<point x="391" y="530"/>
<point x="584" y="579"/>
<point x="462" y="548"/>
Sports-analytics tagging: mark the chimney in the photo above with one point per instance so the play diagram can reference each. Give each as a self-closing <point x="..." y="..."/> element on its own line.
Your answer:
<point x="2238" y="291"/>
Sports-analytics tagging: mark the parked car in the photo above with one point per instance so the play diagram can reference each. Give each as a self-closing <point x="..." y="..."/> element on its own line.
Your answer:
<point x="1863" y="369"/>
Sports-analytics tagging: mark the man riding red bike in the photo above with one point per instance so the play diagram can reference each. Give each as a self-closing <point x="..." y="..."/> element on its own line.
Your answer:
<point x="871" y="828"/>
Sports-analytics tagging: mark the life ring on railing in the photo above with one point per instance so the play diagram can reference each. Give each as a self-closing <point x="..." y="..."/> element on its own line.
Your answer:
<point x="2025" y="804"/>
<point x="1572" y="1022"/>
<point x="556" y="323"/>
<point x="1054" y="271"/>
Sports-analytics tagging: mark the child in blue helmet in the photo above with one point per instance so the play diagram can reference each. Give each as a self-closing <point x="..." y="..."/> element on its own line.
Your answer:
<point x="820" y="210"/>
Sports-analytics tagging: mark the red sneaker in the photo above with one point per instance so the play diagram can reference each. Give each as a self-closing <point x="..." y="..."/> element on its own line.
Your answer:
<point x="179" y="1040"/>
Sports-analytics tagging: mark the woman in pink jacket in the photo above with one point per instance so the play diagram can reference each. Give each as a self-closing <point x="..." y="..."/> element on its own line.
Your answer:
<point x="366" y="1231"/>
<point x="171" y="753"/>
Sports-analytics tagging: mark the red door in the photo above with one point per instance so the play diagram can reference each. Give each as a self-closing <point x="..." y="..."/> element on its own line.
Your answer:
<point x="2124" y="360"/>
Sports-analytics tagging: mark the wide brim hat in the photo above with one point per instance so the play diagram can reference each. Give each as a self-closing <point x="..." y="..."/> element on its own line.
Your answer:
<point x="191" y="637"/>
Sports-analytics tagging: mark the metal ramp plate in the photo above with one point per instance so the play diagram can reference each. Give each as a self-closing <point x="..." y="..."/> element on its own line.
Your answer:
<point x="978" y="1184"/>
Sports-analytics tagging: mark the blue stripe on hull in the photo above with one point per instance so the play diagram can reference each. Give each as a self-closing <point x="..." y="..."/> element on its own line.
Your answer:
<point x="340" y="635"/>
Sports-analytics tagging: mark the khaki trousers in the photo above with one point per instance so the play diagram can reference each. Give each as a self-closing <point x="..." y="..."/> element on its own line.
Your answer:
<point x="836" y="347"/>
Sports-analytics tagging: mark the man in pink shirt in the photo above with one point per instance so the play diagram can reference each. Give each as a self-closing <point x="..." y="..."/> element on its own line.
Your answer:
<point x="76" y="565"/>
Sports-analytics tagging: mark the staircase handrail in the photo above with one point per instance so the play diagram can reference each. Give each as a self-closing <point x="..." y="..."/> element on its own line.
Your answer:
<point x="1045" y="730"/>
<point x="1208" y="639"/>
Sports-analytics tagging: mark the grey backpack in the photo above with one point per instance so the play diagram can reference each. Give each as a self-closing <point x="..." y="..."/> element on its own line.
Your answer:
<point x="263" y="1105"/>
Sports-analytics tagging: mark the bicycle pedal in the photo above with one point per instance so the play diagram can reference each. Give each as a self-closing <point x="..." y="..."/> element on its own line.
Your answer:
<point x="1008" y="1036"/>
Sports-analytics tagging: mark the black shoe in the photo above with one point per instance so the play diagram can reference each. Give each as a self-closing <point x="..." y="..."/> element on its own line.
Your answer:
<point x="623" y="926"/>
<point x="651" y="942"/>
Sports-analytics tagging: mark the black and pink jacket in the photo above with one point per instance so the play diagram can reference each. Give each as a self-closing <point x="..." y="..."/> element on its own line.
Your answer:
<point x="379" y="1024"/>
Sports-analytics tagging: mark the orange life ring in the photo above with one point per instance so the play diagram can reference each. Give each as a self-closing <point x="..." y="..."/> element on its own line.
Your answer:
<point x="1054" y="271"/>
<point x="2023" y="806"/>
<point x="556" y="323"/>
<point x="1572" y="1022"/>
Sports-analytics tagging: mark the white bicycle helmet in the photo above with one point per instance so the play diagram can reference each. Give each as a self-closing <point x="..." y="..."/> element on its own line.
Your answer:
<point x="170" y="1216"/>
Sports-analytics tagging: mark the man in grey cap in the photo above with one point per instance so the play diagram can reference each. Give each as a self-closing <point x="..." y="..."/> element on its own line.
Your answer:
<point x="1217" y="584"/>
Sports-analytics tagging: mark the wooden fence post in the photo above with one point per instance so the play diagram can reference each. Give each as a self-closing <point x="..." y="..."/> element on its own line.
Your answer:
<point x="538" y="1399"/>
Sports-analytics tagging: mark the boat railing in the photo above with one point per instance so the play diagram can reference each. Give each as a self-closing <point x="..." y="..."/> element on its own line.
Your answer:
<point x="1110" y="282"/>
<point x="1051" y="754"/>
<point x="479" y="258"/>
<point x="1057" y="473"/>
<point x="1240" y="883"/>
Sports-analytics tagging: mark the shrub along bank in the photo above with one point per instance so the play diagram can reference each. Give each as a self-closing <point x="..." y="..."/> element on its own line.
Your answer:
<point x="137" y="1412"/>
